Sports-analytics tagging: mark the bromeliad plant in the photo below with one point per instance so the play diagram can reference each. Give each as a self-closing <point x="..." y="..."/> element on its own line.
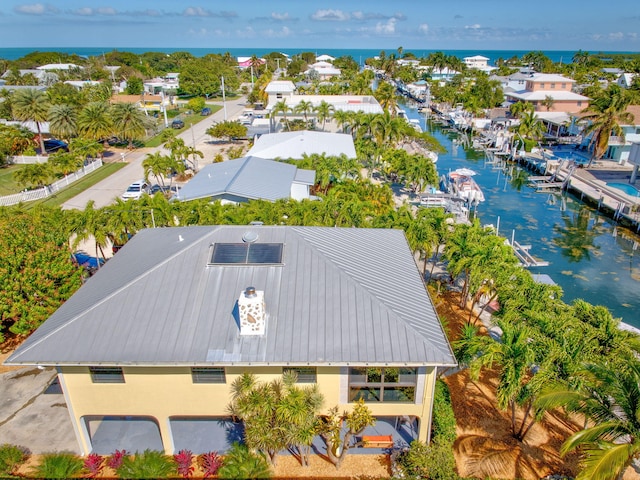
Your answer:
<point x="115" y="460"/>
<point x="94" y="464"/>
<point x="184" y="463"/>
<point x="210" y="463"/>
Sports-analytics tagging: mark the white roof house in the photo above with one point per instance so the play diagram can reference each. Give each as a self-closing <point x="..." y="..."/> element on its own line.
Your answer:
<point x="325" y="58"/>
<point x="297" y="144"/>
<point x="324" y="70"/>
<point x="249" y="178"/>
<point x="626" y="79"/>
<point x="59" y="66"/>
<point x="478" y="62"/>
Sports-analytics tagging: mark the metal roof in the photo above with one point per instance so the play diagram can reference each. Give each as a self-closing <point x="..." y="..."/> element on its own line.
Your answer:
<point x="247" y="177"/>
<point x="343" y="296"/>
<point x="296" y="144"/>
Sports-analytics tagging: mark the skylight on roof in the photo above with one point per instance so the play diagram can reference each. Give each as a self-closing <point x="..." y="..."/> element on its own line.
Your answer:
<point x="247" y="254"/>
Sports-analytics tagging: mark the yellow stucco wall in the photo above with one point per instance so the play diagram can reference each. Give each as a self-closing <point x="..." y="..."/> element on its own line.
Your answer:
<point x="164" y="392"/>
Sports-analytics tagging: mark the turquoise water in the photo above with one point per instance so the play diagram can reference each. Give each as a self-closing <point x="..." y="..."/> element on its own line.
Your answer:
<point x="357" y="54"/>
<point x="589" y="256"/>
<point x="626" y="188"/>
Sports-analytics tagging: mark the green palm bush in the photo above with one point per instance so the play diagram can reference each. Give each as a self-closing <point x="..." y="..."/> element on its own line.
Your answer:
<point x="239" y="462"/>
<point x="148" y="464"/>
<point x="11" y="457"/>
<point x="58" y="465"/>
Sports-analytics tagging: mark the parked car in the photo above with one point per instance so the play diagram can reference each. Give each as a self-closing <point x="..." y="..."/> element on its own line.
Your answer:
<point x="177" y="124"/>
<point x="205" y="111"/>
<point x="53" y="145"/>
<point x="135" y="190"/>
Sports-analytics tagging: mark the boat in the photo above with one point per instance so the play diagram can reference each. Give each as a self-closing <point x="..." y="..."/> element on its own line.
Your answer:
<point x="461" y="184"/>
<point x="415" y="123"/>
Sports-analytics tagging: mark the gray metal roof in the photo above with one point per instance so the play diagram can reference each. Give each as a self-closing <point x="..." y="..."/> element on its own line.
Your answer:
<point x="342" y="296"/>
<point x="296" y="144"/>
<point x="247" y="177"/>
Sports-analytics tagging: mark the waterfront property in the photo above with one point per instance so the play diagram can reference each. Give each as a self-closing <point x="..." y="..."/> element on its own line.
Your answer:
<point x="249" y="178"/>
<point x="540" y="87"/>
<point x="148" y="348"/>
<point x="298" y="144"/>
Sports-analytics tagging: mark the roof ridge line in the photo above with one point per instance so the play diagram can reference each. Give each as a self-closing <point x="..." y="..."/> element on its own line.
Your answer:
<point x="114" y="293"/>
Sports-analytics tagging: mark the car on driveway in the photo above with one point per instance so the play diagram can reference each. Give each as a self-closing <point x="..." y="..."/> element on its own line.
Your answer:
<point x="206" y="111"/>
<point x="177" y="124"/>
<point x="53" y="145"/>
<point x="136" y="190"/>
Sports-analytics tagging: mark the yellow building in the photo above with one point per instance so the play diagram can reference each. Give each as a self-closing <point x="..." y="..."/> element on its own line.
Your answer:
<point x="147" y="349"/>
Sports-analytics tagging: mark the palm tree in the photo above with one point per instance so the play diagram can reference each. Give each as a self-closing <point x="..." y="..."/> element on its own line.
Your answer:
<point x="31" y="105"/>
<point x="514" y="356"/>
<point x="519" y="108"/>
<point x="34" y="174"/>
<point x="91" y="223"/>
<point x="610" y="399"/>
<point x="531" y="128"/>
<point x="323" y="112"/>
<point x="85" y="148"/>
<point x="94" y="121"/>
<point x="158" y="165"/>
<point x="65" y="162"/>
<point x="605" y="114"/>
<point x="129" y="122"/>
<point x="63" y="121"/>
<point x="281" y="106"/>
<point x="124" y="219"/>
<point x="303" y="107"/>
<point x="548" y="102"/>
<point x="386" y="95"/>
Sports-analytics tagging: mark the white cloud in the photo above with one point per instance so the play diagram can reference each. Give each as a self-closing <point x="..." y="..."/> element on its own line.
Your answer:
<point x="196" y="12"/>
<point x="475" y="26"/>
<point x="616" y="36"/>
<point x="281" y="17"/>
<point x="84" y="11"/>
<point x="423" y="28"/>
<point x="247" y="32"/>
<point x="283" y="32"/>
<point x="106" y="11"/>
<point x="387" y="28"/>
<point x="35" y="9"/>
<point x="330" y="15"/>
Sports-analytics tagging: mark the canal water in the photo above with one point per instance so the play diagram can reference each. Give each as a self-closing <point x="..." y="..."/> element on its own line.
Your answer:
<point x="589" y="256"/>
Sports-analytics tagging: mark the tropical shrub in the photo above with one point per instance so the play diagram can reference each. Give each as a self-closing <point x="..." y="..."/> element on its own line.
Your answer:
<point x="434" y="461"/>
<point x="58" y="465"/>
<point x="209" y="463"/>
<point x="11" y="456"/>
<point x="184" y="462"/>
<point x="115" y="460"/>
<point x="94" y="464"/>
<point x="148" y="464"/>
<point x="444" y="420"/>
<point x="239" y="462"/>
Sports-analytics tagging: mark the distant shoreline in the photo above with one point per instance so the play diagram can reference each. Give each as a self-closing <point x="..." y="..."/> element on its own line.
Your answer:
<point x="566" y="56"/>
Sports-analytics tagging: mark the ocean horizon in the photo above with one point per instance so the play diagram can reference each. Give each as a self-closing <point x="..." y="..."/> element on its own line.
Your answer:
<point x="558" y="56"/>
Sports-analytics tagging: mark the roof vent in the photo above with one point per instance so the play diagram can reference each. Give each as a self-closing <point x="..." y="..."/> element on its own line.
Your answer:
<point x="249" y="237"/>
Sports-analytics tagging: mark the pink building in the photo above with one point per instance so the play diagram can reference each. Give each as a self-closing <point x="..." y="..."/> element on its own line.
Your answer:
<point x="554" y="88"/>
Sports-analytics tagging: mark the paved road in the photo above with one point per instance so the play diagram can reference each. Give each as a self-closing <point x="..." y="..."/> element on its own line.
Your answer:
<point x="106" y="191"/>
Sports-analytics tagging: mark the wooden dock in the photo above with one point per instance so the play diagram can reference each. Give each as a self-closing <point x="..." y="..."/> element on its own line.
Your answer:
<point x="526" y="259"/>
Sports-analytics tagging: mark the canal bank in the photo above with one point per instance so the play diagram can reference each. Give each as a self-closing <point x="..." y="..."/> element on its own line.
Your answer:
<point x="589" y="256"/>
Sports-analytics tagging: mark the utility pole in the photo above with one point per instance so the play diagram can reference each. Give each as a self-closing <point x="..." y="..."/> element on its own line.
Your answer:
<point x="251" y="77"/>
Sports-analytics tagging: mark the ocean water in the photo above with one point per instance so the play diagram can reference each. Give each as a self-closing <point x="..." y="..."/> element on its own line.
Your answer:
<point x="358" y="54"/>
<point x="589" y="256"/>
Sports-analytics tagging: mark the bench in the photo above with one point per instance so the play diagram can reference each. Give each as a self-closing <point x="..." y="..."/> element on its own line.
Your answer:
<point x="377" y="441"/>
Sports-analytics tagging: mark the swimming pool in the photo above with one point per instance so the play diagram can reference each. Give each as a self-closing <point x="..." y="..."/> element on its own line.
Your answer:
<point x="626" y="188"/>
<point x="571" y="155"/>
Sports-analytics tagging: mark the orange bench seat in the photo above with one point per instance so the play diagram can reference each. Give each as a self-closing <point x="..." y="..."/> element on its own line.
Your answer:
<point x="377" y="441"/>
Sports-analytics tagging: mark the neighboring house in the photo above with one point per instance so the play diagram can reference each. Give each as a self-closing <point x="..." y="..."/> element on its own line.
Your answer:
<point x="144" y="101"/>
<point x="297" y="144"/>
<point x="147" y="350"/>
<point x="540" y="86"/>
<point x="60" y="66"/>
<point x="407" y="62"/>
<point x="249" y="178"/>
<point x="322" y="71"/>
<point x="478" y="62"/>
<point x="619" y="149"/>
<point x="168" y="84"/>
<point x="325" y="58"/>
<point x="625" y="80"/>
<point x="441" y="74"/>
<point x="245" y="62"/>
<point x="80" y="84"/>
<point x="283" y="90"/>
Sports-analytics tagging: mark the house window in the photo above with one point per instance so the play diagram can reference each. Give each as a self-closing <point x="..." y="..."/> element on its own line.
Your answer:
<point x="278" y="95"/>
<point x="563" y="85"/>
<point x="579" y="103"/>
<point x="208" y="375"/>
<point x="553" y="85"/>
<point x="106" y="375"/>
<point x="396" y="385"/>
<point x="542" y="85"/>
<point x="305" y="374"/>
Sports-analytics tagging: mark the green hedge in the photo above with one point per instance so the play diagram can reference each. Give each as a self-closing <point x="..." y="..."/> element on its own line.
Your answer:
<point x="444" y="421"/>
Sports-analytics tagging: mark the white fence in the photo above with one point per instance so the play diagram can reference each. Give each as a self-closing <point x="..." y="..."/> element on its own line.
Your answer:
<point x="39" y="193"/>
<point x="25" y="159"/>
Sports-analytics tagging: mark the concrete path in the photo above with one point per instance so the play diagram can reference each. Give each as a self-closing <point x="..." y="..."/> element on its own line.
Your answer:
<point x="33" y="413"/>
<point x="106" y="191"/>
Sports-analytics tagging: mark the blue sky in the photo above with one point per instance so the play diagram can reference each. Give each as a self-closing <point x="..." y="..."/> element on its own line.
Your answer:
<point x="416" y="24"/>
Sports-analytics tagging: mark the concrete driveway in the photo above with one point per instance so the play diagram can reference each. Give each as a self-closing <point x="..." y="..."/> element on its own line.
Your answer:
<point x="106" y="191"/>
<point x="33" y="412"/>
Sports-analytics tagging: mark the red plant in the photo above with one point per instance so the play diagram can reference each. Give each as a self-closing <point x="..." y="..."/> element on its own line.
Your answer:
<point x="210" y="463"/>
<point x="94" y="463"/>
<point x="184" y="460"/>
<point x="116" y="458"/>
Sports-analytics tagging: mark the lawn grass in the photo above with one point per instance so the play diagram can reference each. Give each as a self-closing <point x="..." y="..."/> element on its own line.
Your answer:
<point x="8" y="186"/>
<point x="80" y="186"/>
<point x="188" y="121"/>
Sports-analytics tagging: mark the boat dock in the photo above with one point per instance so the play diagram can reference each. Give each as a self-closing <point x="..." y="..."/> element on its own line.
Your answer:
<point x="526" y="259"/>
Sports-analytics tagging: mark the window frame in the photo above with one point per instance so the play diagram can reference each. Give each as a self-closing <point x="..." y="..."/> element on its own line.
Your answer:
<point x="354" y="387"/>
<point x="304" y="377"/>
<point x="215" y="375"/>
<point x="106" y="374"/>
